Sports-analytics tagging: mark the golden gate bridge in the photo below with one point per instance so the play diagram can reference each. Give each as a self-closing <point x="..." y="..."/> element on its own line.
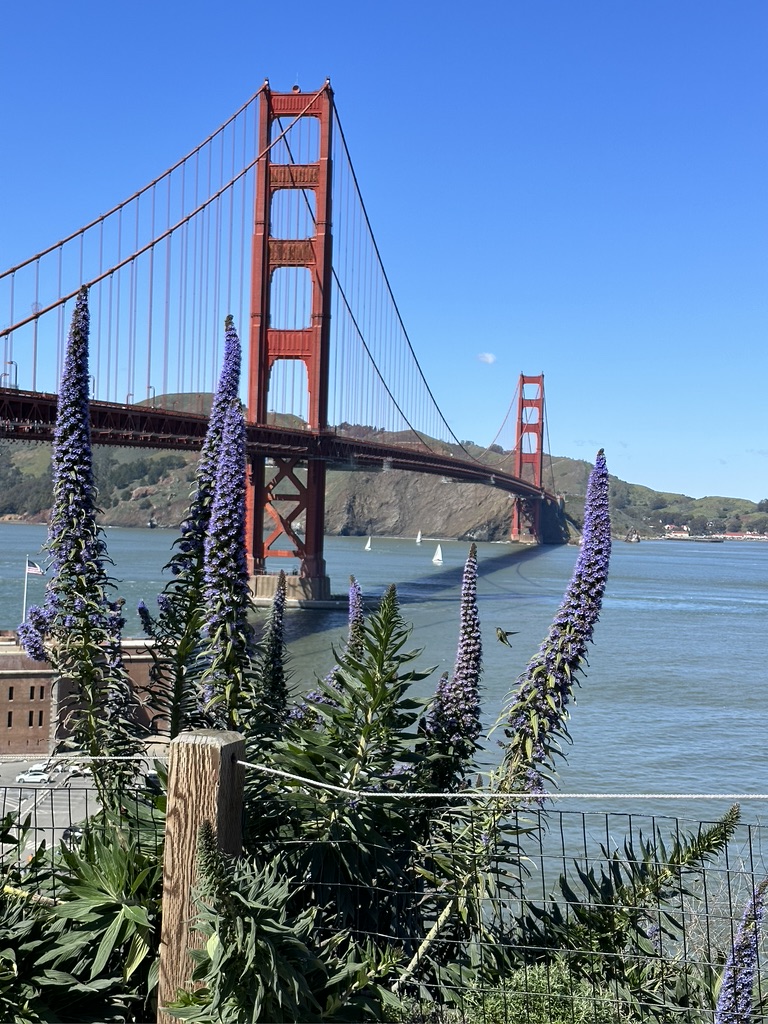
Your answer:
<point x="243" y="225"/>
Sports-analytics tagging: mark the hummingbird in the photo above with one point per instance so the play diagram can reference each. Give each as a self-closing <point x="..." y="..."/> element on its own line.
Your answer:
<point x="502" y="635"/>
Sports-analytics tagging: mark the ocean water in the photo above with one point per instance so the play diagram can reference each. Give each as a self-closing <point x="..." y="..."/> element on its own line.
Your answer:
<point x="673" y="700"/>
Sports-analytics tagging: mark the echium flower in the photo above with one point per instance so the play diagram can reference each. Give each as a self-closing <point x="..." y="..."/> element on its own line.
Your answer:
<point x="75" y="543"/>
<point x="734" y="1003"/>
<point x="79" y="627"/>
<point x="356" y="619"/>
<point x="355" y="634"/>
<point x="271" y="683"/>
<point x="303" y="714"/>
<point x="207" y="471"/>
<point x="538" y="713"/>
<point x="453" y="723"/>
<point x="229" y="644"/>
<point x="180" y="617"/>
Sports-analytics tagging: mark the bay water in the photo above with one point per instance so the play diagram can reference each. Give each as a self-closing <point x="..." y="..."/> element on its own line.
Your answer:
<point x="673" y="700"/>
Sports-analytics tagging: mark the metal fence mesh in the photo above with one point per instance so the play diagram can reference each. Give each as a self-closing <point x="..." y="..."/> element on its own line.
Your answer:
<point x="580" y="915"/>
<point x="573" y="916"/>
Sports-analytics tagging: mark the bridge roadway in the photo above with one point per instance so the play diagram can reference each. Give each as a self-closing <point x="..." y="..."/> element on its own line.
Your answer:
<point x="31" y="416"/>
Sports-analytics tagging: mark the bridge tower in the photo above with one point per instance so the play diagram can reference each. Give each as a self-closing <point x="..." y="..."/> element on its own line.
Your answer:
<point x="529" y="457"/>
<point x="278" y="493"/>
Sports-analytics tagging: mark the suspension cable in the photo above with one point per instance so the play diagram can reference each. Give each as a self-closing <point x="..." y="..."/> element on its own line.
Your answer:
<point x="389" y="288"/>
<point x="62" y="300"/>
<point x="152" y="184"/>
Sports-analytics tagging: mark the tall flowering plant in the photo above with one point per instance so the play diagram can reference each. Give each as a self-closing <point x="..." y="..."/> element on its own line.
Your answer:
<point x="537" y="716"/>
<point x="272" y="660"/>
<point x="303" y="713"/>
<point x="453" y="723"/>
<point x="177" y="626"/>
<point x="734" y="1002"/>
<point x="229" y="646"/>
<point x="78" y="628"/>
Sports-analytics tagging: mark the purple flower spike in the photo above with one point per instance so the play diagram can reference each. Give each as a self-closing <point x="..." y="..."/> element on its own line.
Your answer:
<point x="226" y="591"/>
<point x="538" y="713"/>
<point x="75" y="543"/>
<point x="734" y="1003"/>
<point x="195" y="526"/>
<point x="356" y="618"/>
<point x="79" y="627"/>
<point x="453" y="722"/>
<point x="273" y="711"/>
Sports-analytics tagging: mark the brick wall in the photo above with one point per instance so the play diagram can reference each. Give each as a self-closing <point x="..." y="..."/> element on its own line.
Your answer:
<point x="29" y="698"/>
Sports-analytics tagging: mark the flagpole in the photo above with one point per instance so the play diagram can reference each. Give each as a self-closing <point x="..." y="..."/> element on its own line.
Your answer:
<point x="26" y="574"/>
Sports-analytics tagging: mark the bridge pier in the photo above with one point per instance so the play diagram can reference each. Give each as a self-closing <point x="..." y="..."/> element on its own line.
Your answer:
<point x="298" y="589"/>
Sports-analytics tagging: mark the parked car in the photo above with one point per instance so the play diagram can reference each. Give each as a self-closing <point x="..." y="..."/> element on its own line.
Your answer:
<point x="153" y="783"/>
<point x="72" y="835"/>
<point x="33" y="778"/>
<point x="79" y="771"/>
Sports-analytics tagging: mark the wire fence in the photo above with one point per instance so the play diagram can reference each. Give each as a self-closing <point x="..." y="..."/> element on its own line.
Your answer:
<point x="589" y="916"/>
<point x="490" y="913"/>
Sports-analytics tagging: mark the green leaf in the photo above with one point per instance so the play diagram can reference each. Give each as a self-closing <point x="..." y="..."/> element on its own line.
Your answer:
<point x="138" y="950"/>
<point x="109" y="942"/>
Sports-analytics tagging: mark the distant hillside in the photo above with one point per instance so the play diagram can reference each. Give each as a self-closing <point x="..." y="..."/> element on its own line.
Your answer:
<point x="139" y="486"/>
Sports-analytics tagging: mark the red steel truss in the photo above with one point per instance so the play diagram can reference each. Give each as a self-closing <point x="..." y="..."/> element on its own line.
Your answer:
<point x="529" y="457"/>
<point x="276" y="493"/>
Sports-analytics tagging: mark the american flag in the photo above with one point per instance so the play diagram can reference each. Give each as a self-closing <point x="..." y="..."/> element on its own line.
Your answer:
<point x="33" y="569"/>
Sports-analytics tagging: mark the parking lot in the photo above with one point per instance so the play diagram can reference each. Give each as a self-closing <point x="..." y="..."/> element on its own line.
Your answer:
<point x="69" y="797"/>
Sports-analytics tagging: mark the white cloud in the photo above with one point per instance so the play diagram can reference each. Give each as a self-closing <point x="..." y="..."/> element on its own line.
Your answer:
<point x="487" y="357"/>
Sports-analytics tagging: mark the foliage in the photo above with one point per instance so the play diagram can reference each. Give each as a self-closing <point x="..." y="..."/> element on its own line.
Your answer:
<point x="543" y="994"/>
<point x="425" y="862"/>
<point x="79" y="928"/>
<point x="258" y="963"/>
<point x="264" y="691"/>
<point x="620" y="923"/>
<point x="452" y="725"/>
<point x="373" y="881"/>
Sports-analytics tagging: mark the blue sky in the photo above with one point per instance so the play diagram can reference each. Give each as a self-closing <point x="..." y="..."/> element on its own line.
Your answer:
<point x="579" y="187"/>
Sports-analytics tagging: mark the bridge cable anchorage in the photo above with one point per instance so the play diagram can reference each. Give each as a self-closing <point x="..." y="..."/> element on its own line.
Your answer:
<point x="62" y="300"/>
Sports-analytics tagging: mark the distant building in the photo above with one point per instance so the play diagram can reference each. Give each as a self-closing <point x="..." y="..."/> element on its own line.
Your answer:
<point x="670" y="530"/>
<point x="30" y="698"/>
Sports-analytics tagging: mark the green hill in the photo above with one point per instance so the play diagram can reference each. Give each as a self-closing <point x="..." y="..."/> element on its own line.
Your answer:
<point x="139" y="486"/>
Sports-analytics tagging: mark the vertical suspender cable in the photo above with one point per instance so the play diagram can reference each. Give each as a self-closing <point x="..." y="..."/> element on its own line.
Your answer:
<point x="36" y="325"/>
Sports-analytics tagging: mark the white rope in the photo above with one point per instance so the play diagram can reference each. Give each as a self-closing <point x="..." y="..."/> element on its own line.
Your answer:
<point x="78" y="758"/>
<point x="475" y="794"/>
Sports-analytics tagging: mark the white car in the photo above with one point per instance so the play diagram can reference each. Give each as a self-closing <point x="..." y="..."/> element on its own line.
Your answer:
<point x="33" y="778"/>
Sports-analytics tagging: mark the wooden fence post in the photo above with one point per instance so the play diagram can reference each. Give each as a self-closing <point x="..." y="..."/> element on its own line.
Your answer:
<point x="205" y="782"/>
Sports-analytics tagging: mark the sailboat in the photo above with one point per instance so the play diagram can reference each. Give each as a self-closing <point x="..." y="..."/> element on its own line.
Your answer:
<point x="418" y="537"/>
<point x="368" y="544"/>
<point x="438" y="556"/>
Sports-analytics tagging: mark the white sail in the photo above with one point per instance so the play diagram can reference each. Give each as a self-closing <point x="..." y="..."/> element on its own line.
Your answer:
<point x="368" y="544"/>
<point x="438" y="556"/>
<point x="418" y="537"/>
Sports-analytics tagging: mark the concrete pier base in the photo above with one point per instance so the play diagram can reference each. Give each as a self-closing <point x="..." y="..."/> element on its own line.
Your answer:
<point x="299" y="591"/>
